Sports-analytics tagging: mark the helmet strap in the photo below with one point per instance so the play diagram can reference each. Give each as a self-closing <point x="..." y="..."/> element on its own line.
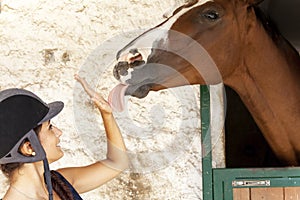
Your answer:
<point x="47" y="178"/>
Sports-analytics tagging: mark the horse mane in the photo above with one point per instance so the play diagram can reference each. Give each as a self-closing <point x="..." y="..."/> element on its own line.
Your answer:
<point x="187" y="4"/>
<point x="267" y="23"/>
<point x="273" y="31"/>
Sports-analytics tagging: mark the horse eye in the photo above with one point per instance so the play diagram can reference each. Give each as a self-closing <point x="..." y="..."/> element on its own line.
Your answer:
<point x="211" y="15"/>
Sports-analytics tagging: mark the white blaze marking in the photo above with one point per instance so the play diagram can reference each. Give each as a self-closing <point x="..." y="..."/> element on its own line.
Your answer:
<point x="174" y="18"/>
<point x="171" y="21"/>
<point x="145" y="42"/>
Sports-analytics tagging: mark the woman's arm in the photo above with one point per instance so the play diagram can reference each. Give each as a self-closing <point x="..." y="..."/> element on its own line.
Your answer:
<point x="92" y="176"/>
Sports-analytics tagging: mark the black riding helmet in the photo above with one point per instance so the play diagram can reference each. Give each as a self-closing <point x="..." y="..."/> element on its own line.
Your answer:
<point x="20" y="112"/>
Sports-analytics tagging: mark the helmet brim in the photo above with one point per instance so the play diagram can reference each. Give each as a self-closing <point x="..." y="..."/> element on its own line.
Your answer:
<point x="54" y="108"/>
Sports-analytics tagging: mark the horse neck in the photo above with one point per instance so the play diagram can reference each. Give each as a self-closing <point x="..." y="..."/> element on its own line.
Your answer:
<point x="268" y="83"/>
<point x="266" y="66"/>
<point x="265" y="69"/>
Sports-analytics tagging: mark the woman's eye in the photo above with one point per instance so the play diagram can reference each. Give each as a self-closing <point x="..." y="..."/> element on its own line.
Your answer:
<point x="50" y="127"/>
<point x="211" y="15"/>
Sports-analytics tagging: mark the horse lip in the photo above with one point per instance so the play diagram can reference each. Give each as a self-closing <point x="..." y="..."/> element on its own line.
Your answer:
<point x="135" y="57"/>
<point x="140" y="91"/>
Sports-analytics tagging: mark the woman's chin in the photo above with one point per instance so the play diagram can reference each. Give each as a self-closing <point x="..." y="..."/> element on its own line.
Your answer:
<point x="52" y="160"/>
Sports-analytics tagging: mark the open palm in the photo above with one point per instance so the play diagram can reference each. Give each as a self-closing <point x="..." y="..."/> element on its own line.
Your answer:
<point x="98" y="100"/>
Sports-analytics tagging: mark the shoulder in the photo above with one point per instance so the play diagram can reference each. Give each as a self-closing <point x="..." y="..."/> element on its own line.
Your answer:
<point x="58" y="175"/>
<point x="87" y="178"/>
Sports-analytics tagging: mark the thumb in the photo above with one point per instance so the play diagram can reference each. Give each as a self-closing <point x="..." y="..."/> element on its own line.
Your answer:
<point x="96" y="102"/>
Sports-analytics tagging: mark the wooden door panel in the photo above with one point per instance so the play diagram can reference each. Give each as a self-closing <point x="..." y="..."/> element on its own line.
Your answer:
<point x="241" y="194"/>
<point x="267" y="193"/>
<point x="292" y="193"/>
<point x="272" y="193"/>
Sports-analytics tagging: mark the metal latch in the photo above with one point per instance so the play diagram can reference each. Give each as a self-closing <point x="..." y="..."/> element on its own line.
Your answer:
<point x="249" y="183"/>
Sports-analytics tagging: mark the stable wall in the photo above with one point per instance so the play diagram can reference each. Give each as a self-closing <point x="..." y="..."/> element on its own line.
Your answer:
<point x="44" y="43"/>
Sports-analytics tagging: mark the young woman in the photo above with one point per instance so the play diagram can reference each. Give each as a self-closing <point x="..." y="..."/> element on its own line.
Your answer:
<point x="29" y="142"/>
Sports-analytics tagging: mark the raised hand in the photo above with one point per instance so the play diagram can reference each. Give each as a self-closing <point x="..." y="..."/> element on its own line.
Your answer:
<point x="98" y="100"/>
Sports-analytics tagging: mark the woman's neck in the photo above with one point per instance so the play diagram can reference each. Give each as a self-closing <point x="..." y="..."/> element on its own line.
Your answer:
<point x="28" y="183"/>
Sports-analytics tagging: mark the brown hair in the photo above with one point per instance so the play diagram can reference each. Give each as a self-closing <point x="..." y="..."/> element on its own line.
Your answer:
<point x="60" y="187"/>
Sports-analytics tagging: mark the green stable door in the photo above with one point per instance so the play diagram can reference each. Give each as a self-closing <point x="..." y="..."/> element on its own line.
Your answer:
<point x="239" y="183"/>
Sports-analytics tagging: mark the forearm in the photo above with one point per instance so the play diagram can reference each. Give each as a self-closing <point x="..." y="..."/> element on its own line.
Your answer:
<point x="116" y="149"/>
<point x="84" y="177"/>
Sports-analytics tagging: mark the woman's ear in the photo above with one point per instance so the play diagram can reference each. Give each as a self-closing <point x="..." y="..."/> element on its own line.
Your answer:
<point x="27" y="150"/>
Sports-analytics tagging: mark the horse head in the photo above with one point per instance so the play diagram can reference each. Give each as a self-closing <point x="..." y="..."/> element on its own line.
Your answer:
<point x="198" y="44"/>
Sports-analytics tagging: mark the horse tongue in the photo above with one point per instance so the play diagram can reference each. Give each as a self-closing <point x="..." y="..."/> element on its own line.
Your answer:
<point x="116" y="97"/>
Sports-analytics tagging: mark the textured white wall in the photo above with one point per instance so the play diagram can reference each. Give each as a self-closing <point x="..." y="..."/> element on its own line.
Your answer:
<point x="43" y="43"/>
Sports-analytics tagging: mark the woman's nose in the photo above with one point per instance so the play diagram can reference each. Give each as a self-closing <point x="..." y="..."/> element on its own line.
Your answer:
<point x="57" y="132"/>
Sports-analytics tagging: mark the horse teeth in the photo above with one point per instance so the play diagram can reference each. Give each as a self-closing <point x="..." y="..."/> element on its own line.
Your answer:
<point x="137" y="57"/>
<point x="132" y="57"/>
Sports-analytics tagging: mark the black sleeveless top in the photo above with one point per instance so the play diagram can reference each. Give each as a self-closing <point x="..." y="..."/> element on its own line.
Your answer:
<point x="72" y="189"/>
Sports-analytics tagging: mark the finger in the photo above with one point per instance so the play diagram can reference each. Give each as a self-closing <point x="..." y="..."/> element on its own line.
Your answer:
<point x="101" y="101"/>
<point x="86" y="86"/>
<point x="102" y="105"/>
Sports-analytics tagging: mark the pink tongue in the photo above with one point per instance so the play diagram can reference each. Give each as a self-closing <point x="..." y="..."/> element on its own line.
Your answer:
<point x="116" y="97"/>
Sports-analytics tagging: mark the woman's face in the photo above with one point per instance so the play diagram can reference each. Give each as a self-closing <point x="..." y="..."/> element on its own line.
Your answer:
<point x="49" y="137"/>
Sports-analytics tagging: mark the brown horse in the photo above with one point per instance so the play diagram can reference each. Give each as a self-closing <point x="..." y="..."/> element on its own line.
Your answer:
<point x="251" y="58"/>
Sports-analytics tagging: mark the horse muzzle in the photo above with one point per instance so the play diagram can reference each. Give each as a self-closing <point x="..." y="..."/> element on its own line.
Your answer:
<point x="126" y="63"/>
